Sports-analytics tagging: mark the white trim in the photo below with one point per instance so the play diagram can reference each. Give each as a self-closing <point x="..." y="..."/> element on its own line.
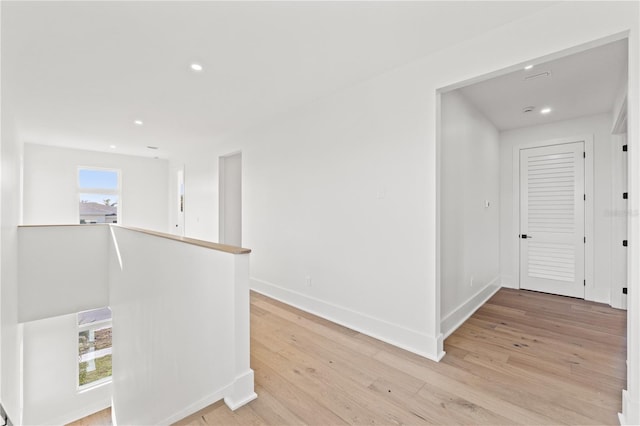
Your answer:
<point x="221" y="194"/>
<point x="85" y="411"/>
<point x="196" y="406"/>
<point x="95" y="325"/>
<point x="588" y="206"/>
<point x="105" y="191"/>
<point x="628" y="406"/>
<point x="181" y="200"/>
<point x="631" y="411"/>
<point x="618" y="274"/>
<point x="411" y="340"/>
<point x="437" y="320"/>
<point x="241" y="391"/>
<point x="537" y="61"/>
<point x="620" y="125"/>
<point x="507" y="281"/>
<point x="462" y="313"/>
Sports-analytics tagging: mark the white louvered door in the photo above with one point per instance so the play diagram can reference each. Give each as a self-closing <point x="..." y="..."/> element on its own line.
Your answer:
<point x="552" y="219"/>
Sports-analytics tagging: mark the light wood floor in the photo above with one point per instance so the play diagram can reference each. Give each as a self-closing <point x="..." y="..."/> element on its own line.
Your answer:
<point x="523" y="358"/>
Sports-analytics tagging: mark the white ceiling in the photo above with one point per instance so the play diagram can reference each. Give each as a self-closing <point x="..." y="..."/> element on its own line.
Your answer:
<point x="79" y="73"/>
<point x="581" y="84"/>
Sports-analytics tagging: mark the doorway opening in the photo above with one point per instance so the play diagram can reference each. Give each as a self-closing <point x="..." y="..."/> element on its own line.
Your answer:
<point x="180" y="206"/>
<point x="230" y="202"/>
<point x="486" y="204"/>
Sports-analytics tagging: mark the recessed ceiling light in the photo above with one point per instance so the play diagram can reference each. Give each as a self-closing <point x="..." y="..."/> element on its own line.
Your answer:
<point x="152" y="147"/>
<point x="196" y="67"/>
<point x="528" y="109"/>
<point x="546" y="110"/>
<point x="112" y="146"/>
<point x="528" y="67"/>
<point x="138" y="122"/>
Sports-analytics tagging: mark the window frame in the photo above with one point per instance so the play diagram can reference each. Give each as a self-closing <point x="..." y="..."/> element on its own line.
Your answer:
<point x="96" y="325"/>
<point x="106" y="191"/>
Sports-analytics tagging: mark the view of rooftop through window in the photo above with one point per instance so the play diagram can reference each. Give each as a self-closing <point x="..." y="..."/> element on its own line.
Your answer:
<point x="99" y="195"/>
<point x="94" y="347"/>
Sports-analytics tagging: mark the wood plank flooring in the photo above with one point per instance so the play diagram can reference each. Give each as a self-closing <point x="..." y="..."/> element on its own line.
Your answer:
<point x="523" y="358"/>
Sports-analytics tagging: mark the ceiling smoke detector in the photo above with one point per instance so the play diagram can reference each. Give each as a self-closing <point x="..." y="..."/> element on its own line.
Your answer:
<point x="528" y="109"/>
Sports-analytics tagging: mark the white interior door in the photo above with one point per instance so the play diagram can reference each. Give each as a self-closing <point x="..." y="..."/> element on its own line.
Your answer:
<point x="552" y="219"/>
<point x="180" y="203"/>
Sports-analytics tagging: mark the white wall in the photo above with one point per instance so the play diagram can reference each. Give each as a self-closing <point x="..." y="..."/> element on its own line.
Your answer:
<point x="50" y="365"/>
<point x="631" y="396"/>
<point x="180" y="328"/>
<point x="600" y="127"/>
<point x="10" y="331"/>
<point x="180" y="325"/>
<point x="51" y="182"/>
<point x="231" y="193"/>
<point x="343" y="190"/>
<point x="57" y="262"/>
<point x="469" y="231"/>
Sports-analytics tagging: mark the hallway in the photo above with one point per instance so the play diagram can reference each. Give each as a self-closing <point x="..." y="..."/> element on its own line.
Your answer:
<point x="523" y="358"/>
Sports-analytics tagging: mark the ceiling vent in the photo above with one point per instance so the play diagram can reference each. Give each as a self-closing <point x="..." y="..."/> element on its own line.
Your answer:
<point x="538" y="75"/>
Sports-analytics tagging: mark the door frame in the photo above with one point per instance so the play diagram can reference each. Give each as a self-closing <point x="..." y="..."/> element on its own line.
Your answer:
<point x="180" y="201"/>
<point x="588" y="206"/>
<point x="222" y="192"/>
<point x="619" y="278"/>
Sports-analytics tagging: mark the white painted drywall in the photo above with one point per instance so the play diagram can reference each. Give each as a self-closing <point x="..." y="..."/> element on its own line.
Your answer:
<point x="50" y="365"/>
<point x="62" y="270"/>
<point x="630" y="414"/>
<point x="620" y="101"/>
<point x="469" y="231"/>
<point x="231" y="199"/>
<point x="619" y="219"/>
<point x="180" y="324"/>
<point x="10" y="332"/>
<point x="176" y="328"/>
<point x="599" y="126"/>
<point x="51" y="182"/>
<point x="343" y="190"/>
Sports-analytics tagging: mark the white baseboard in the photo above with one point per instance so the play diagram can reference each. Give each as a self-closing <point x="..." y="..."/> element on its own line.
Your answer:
<point x="196" y="406"/>
<point x="241" y="392"/>
<point x="462" y="313"/>
<point x="411" y="340"/>
<point x="630" y="414"/>
<point x="82" y="413"/>
<point x="507" y="281"/>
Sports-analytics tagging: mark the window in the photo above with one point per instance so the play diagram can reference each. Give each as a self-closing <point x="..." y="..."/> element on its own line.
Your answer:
<point x="99" y="195"/>
<point x="94" y="347"/>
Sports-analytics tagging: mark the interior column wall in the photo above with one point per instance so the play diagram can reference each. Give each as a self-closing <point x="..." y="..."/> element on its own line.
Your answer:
<point x="469" y="228"/>
<point x="10" y="330"/>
